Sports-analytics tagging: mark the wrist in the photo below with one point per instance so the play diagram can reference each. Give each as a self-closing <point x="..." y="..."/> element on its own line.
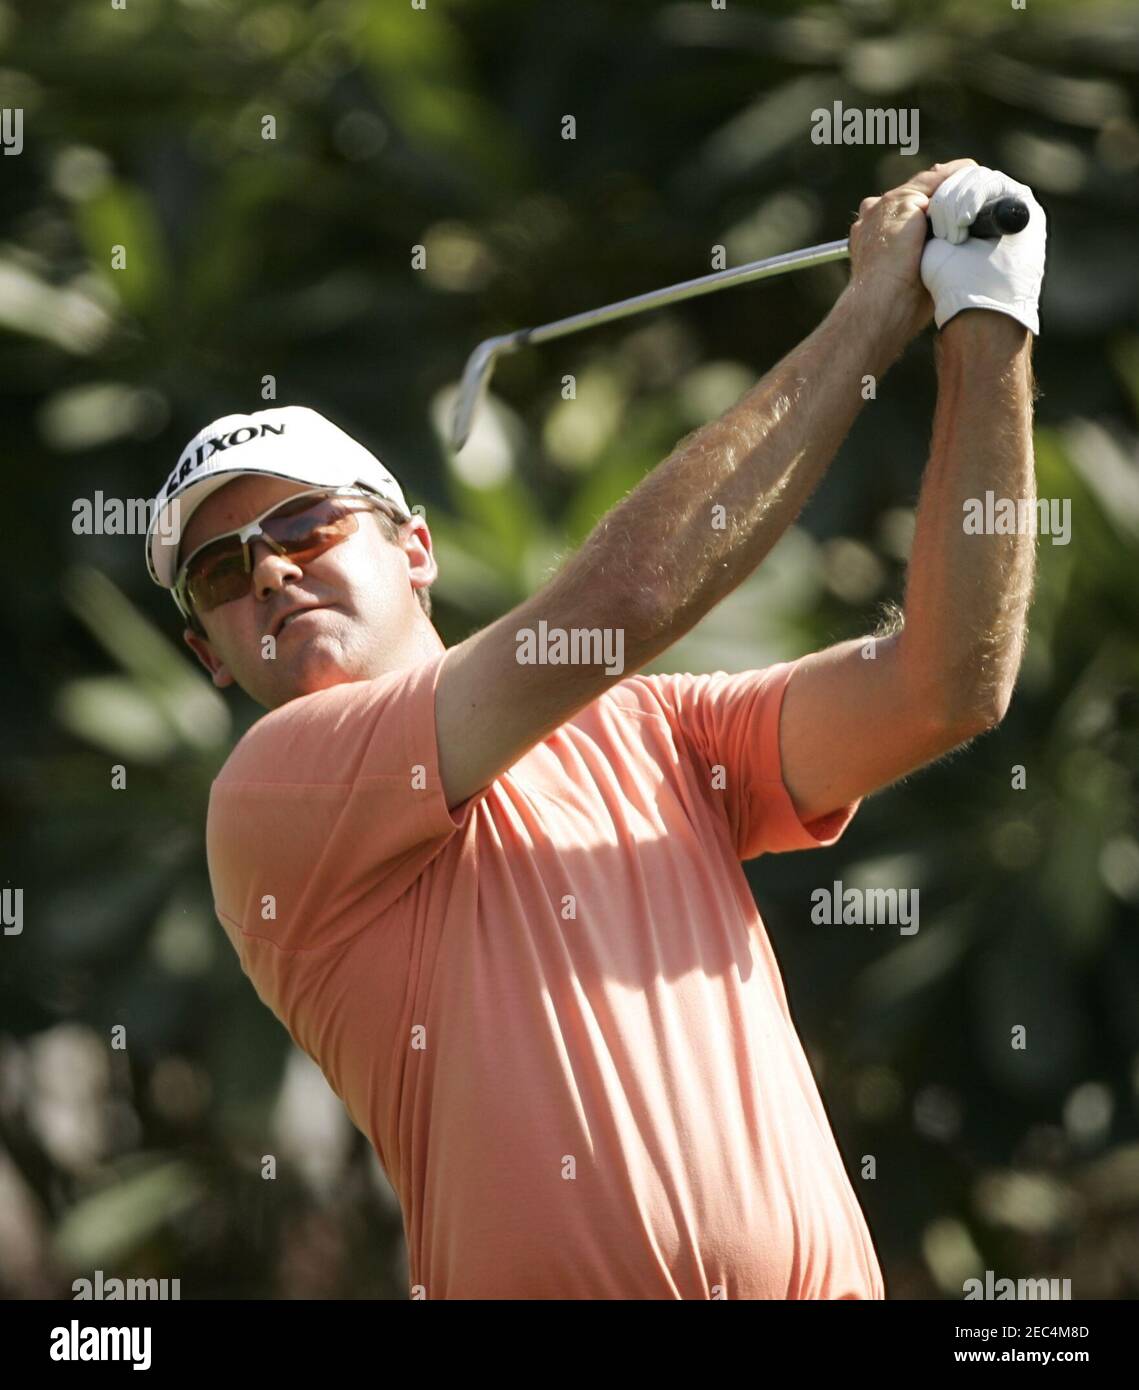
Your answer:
<point x="876" y="326"/>
<point x="984" y="331"/>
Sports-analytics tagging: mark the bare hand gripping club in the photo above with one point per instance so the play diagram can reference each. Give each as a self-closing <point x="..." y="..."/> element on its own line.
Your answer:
<point x="1000" y="217"/>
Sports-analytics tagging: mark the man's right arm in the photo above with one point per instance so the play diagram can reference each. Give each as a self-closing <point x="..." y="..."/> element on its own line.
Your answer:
<point x="661" y="558"/>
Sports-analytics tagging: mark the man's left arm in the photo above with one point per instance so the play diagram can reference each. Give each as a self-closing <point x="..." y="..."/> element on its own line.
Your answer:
<point x="851" y="723"/>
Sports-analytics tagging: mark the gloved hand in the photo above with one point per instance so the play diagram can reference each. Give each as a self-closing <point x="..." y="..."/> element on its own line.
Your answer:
<point x="963" y="272"/>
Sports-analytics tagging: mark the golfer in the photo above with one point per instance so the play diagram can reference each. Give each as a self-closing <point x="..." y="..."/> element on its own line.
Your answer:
<point x="494" y="890"/>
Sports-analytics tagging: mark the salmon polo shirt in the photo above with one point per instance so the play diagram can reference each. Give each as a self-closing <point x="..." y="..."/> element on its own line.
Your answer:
<point x="553" y="1009"/>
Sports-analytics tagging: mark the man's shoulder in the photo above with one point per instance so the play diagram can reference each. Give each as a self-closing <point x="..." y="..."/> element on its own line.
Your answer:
<point x="323" y="724"/>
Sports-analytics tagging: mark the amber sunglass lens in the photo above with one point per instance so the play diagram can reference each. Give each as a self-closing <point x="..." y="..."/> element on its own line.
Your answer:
<point x="217" y="579"/>
<point x="305" y="534"/>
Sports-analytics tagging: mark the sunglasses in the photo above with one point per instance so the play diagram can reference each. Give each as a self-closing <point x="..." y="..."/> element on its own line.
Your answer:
<point x="302" y="527"/>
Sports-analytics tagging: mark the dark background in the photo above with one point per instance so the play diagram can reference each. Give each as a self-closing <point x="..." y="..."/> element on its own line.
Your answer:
<point x="291" y="258"/>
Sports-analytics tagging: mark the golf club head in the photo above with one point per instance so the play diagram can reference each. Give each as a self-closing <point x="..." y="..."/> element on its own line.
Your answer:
<point x="472" y="388"/>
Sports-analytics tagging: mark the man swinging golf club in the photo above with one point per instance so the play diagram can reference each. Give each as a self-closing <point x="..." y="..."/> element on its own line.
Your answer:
<point x="500" y="902"/>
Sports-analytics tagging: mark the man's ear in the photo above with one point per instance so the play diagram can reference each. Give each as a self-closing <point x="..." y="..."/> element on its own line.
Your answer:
<point x="420" y="554"/>
<point x="219" y="672"/>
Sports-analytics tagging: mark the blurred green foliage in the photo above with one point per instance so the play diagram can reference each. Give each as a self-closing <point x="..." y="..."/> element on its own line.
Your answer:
<point x="291" y="258"/>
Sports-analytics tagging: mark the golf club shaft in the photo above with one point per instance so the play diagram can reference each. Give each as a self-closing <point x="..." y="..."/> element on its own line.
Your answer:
<point x="1000" y="216"/>
<point x="686" y="289"/>
<point x="996" y="216"/>
<point x="480" y="364"/>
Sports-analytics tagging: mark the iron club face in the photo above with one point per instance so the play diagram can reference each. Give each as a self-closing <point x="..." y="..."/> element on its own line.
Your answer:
<point x="476" y="378"/>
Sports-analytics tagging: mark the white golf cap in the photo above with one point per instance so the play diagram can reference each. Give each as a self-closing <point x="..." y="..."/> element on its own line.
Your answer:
<point x="288" y="441"/>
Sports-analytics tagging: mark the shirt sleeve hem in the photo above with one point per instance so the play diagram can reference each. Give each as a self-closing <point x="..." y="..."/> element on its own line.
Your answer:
<point x="790" y="831"/>
<point x="421" y="733"/>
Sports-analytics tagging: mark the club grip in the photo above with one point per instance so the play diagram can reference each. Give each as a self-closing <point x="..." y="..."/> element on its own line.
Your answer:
<point x="999" y="217"/>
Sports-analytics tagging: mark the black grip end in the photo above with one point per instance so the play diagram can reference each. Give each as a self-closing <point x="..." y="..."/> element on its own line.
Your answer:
<point x="1002" y="217"/>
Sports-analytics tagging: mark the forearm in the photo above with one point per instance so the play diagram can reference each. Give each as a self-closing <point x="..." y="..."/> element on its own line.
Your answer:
<point x="967" y="595"/>
<point x="705" y="517"/>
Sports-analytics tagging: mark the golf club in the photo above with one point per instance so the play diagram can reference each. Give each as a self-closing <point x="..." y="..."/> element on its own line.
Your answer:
<point x="999" y="217"/>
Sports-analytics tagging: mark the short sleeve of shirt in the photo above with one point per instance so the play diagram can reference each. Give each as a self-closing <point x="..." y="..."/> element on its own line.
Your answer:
<point x="329" y="808"/>
<point x="729" y="726"/>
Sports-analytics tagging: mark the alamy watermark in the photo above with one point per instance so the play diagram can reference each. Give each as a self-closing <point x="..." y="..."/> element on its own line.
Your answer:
<point x="575" y="646"/>
<point x="895" y="907"/>
<point x="893" y="125"/>
<point x="12" y="911"/>
<point x="12" y="129"/>
<point x="1018" y="516"/>
<point x="992" y="1287"/>
<point x="110" y="1288"/>
<point x="124" y="516"/>
<point x="76" y="1343"/>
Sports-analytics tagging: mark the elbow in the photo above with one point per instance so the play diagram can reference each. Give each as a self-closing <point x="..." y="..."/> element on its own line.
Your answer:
<point x="602" y="590"/>
<point x="976" y="713"/>
<point x="649" y="624"/>
<point x="995" y="696"/>
<point x="998" y="707"/>
<point x="989" y="716"/>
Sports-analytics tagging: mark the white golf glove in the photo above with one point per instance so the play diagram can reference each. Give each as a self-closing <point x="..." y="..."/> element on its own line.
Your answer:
<point x="963" y="272"/>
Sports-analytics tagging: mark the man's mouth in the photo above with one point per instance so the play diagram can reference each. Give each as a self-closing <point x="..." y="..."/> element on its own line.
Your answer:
<point x="289" y="618"/>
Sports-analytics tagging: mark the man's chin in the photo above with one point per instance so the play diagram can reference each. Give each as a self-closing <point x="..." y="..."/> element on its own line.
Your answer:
<point x="305" y="675"/>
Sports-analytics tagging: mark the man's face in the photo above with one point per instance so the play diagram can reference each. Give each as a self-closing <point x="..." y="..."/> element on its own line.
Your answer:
<point x="368" y="620"/>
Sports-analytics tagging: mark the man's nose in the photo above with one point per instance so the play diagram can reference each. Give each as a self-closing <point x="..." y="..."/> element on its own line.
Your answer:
<point x="269" y="568"/>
